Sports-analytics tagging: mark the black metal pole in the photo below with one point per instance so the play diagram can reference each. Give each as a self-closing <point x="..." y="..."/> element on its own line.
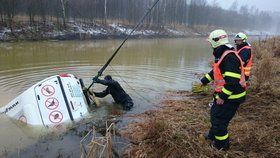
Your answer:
<point x="117" y="50"/>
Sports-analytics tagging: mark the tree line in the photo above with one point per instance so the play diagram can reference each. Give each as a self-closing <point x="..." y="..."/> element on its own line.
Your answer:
<point x="167" y="12"/>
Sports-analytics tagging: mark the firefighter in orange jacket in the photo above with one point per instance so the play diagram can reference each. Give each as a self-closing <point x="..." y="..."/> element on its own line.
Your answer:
<point x="244" y="50"/>
<point x="229" y="80"/>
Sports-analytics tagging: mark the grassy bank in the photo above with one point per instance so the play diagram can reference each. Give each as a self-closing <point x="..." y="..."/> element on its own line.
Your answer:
<point x="176" y="129"/>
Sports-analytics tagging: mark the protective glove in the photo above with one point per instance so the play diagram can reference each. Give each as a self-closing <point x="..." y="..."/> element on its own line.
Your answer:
<point x="98" y="80"/>
<point x="95" y="79"/>
<point x="200" y="88"/>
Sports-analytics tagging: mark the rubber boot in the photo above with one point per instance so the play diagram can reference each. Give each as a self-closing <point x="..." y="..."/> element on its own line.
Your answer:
<point x="221" y="144"/>
<point x="209" y="136"/>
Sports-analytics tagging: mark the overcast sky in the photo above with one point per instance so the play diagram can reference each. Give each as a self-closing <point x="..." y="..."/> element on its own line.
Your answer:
<point x="266" y="5"/>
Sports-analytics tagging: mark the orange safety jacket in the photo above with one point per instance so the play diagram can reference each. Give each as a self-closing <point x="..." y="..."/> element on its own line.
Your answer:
<point x="219" y="81"/>
<point x="247" y="68"/>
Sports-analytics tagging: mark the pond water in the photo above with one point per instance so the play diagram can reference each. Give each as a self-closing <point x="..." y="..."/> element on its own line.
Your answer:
<point x="145" y="68"/>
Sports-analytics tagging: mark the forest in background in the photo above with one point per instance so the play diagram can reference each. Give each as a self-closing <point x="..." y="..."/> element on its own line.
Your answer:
<point x="166" y="13"/>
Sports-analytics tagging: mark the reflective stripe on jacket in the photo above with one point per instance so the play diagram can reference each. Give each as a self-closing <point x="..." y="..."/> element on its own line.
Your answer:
<point x="219" y="81"/>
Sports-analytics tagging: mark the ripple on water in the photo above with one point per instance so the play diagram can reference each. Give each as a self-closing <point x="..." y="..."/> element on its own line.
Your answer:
<point x="144" y="73"/>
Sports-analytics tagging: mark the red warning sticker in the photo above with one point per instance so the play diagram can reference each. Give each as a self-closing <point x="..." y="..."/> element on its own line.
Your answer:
<point x="56" y="117"/>
<point x="51" y="103"/>
<point x="48" y="90"/>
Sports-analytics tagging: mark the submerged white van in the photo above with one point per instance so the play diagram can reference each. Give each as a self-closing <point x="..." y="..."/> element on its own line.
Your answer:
<point x="55" y="100"/>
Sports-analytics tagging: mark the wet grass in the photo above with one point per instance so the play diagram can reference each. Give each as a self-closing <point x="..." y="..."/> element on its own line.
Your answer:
<point x="176" y="129"/>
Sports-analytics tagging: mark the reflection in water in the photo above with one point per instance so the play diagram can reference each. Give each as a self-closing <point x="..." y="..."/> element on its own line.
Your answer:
<point x="145" y="68"/>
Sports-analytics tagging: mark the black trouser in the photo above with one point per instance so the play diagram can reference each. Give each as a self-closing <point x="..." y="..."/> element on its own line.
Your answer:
<point x="220" y="118"/>
<point x="127" y="105"/>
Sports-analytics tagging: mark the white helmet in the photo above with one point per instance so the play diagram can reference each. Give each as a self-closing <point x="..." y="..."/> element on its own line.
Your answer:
<point x="240" y="37"/>
<point x="218" y="38"/>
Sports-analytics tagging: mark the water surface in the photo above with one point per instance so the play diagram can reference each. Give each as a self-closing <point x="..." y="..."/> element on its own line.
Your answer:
<point x="146" y="69"/>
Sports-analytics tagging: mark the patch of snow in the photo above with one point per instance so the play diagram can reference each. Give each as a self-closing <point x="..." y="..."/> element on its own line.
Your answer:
<point x="175" y="32"/>
<point x="149" y="32"/>
<point x="29" y="28"/>
<point x="118" y="27"/>
<point x="87" y="29"/>
<point x="2" y="35"/>
<point x="94" y="32"/>
<point x="5" y="30"/>
<point x="17" y="30"/>
<point x="103" y="31"/>
<point x="79" y="29"/>
<point x="57" y="33"/>
<point x="127" y="31"/>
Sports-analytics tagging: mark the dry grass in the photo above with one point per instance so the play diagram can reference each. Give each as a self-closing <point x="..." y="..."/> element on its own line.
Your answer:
<point x="175" y="130"/>
<point x="169" y="131"/>
<point x="266" y="70"/>
<point x="101" y="146"/>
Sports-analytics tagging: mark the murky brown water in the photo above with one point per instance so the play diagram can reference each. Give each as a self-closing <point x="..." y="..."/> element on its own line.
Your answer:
<point x="145" y="68"/>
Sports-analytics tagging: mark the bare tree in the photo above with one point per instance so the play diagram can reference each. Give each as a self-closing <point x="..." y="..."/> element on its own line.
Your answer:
<point x="63" y="4"/>
<point x="31" y="10"/>
<point x="167" y="12"/>
<point x="9" y="11"/>
<point x="105" y="12"/>
<point x="2" y="11"/>
<point x="234" y="6"/>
